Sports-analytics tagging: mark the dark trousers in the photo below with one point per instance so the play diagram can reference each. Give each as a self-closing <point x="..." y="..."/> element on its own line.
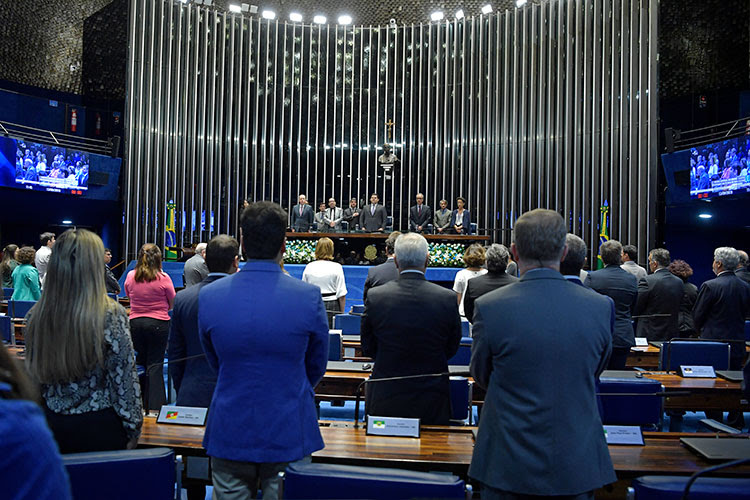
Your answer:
<point x="150" y="343"/>
<point x="618" y="358"/>
<point x="490" y="493"/>
<point x="93" y="431"/>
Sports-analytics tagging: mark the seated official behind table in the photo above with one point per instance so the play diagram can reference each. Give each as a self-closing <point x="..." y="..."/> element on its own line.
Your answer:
<point x="328" y="276"/>
<point x="461" y="218"/>
<point x="25" y="276"/>
<point x="78" y="348"/>
<point x="410" y="327"/>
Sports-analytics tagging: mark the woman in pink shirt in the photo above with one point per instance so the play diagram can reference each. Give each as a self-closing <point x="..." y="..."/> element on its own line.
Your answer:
<point x="151" y="295"/>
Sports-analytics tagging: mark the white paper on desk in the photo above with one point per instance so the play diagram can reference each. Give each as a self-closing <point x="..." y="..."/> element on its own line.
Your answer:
<point x="641" y="341"/>
<point x="639" y="349"/>
<point x="623" y="434"/>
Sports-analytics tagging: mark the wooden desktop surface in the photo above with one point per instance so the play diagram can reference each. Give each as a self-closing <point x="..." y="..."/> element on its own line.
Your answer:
<point x="384" y="236"/>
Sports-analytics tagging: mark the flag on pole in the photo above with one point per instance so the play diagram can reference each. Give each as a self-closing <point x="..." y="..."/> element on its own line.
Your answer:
<point x="170" y="235"/>
<point x="603" y="232"/>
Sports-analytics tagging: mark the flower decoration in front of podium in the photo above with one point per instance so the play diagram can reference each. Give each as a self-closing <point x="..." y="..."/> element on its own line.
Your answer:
<point x="299" y="251"/>
<point x="446" y="255"/>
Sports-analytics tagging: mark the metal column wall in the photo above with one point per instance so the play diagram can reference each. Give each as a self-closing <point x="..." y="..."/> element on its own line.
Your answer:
<point x="552" y="105"/>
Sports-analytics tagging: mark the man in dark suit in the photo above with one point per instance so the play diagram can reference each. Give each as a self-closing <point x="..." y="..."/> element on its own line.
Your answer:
<point x="622" y="287"/>
<point x="743" y="271"/>
<point x="539" y="347"/>
<point x="659" y="296"/>
<point x="385" y="272"/>
<point x="571" y="266"/>
<point x="373" y="217"/>
<point x="194" y="380"/>
<point x="302" y="216"/>
<point x="195" y="269"/>
<point x="419" y="215"/>
<point x="720" y="311"/>
<point x="410" y="327"/>
<point x="351" y="214"/>
<point x="496" y="277"/>
<point x="113" y="286"/>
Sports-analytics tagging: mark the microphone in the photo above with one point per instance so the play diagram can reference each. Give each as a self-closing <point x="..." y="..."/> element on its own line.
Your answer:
<point x="403" y="377"/>
<point x="658" y="315"/>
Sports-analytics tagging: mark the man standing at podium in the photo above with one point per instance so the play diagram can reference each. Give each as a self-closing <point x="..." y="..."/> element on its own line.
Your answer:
<point x="539" y="347"/>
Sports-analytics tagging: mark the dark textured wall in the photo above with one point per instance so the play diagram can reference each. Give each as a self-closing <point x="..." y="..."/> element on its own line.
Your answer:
<point x="105" y="52"/>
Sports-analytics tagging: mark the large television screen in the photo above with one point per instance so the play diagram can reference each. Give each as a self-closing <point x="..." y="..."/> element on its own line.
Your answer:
<point x="720" y="169"/>
<point x="42" y="167"/>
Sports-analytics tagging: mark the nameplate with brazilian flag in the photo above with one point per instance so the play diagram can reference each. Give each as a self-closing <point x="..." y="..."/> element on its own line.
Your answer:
<point x="393" y="426"/>
<point x="182" y="415"/>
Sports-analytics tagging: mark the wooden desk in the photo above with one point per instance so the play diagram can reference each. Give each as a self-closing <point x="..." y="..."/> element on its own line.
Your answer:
<point x="383" y="236"/>
<point x="648" y="359"/>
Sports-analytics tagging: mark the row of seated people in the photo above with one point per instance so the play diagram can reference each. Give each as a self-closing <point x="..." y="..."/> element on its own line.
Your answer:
<point x="264" y="334"/>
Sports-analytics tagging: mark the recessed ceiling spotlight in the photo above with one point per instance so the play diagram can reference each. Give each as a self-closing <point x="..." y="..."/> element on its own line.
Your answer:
<point x="705" y="216"/>
<point x="487" y="9"/>
<point x="295" y="17"/>
<point x="460" y="14"/>
<point x="437" y="15"/>
<point x="268" y="14"/>
<point x="67" y="221"/>
<point x="233" y="7"/>
<point x="319" y="19"/>
<point x="345" y="19"/>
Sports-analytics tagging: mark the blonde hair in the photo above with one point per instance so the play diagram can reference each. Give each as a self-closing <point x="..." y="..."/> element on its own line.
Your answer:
<point x="65" y="334"/>
<point x="324" y="249"/>
<point x="148" y="267"/>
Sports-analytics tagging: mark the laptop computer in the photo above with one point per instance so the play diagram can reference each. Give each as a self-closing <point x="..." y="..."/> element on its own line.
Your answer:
<point x="731" y="375"/>
<point x="719" y="449"/>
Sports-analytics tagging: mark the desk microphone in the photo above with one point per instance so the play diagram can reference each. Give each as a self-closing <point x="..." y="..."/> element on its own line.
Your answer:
<point x="403" y="377"/>
<point x="658" y="315"/>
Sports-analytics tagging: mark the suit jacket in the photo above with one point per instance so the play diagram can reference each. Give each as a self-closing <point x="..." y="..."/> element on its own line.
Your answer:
<point x="266" y="335"/>
<point x="410" y="327"/>
<point x="194" y="380"/>
<point x="720" y="310"/>
<point x="334" y="215"/>
<point x="320" y="223"/>
<point x="195" y="270"/>
<point x="419" y="219"/>
<point x="443" y="220"/>
<point x="659" y="293"/>
<point x="380" y="275"/>
<point x="110" y="281"/>
<point x="685" y="322"/>
<point x="466" y="222"/>
<point x="743" y="274"/>
<point x="539" y="347"/>
<point x="302" y="223"/>
<point x="622" y="287"/>
<point x="476" y="287"/>
<point x="373" y="222"/>
<point x="349" y="216"/>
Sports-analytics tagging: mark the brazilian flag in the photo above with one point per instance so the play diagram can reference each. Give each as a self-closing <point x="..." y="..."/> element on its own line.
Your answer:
<point x="603" y="232"/>
<point x="170" y="236"/>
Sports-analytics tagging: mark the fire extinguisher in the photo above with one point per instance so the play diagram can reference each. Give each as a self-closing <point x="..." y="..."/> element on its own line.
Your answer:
<point x="73" y="120"/>
<point x="98" y="130"/>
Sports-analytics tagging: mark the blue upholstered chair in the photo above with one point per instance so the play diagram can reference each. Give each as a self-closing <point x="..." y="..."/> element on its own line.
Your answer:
<point x="358" y="309"/>
<point x="335" y="346"/>
<point x="112" y="296"/>
<point x="747" y="331"/>
<point x="704" y="488"/>
<point x="19" y="308"/>
<point x="5" y="328"/>
<point x="473" y="226"/>
<point x="463" y="355"/>
<point x="465" y="328"/>
<point x="317" y="481"/>
<point x="7" y="293"/>
<point x="694" y="353"/>
<point x="347" y="323"/>
<point x="122" y="475"/>
<point x="618" y="404"/>
<point x="389" y="223"/>
<point x="461" y="392"/>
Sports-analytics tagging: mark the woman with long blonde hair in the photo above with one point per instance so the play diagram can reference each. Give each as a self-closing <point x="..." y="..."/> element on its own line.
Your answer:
<point x="151" y="295"/>
<point x="78" y="348"/>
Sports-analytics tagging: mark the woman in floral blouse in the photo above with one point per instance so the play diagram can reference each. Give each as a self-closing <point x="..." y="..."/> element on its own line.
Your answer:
<point x="79" y="350"/>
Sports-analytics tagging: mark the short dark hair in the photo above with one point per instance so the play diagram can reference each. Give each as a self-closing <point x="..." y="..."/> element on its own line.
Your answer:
<point x="390" y="242"/>
<point x="220" y="253"/>
<point x="631" y="251"/>
<point x="263" y="229"/>
<point x="611" y="252"/>
<point x="107" y="250"/>
<point x="45" y="238"/>
<point x="540" y="235"/>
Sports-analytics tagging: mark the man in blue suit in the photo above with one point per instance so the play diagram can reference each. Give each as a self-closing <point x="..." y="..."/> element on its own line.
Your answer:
<point x="193" y="379"/>
<point x="266" y="335"/>
<point x="539" y="347"/>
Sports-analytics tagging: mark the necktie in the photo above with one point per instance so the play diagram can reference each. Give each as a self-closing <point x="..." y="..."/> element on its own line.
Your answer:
<point x="300" y="210"/>
<point x="419" y="209"/>
<point x="372" y="209"/>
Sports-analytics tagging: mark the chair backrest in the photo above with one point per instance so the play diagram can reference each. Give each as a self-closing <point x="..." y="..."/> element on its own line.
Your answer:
<point x="704" y="488"/>
<point x="112" y="296"/>
<point x="19" y="308"/>
<point x="358" y="308"/>
<point x="461" y="391"/>
<point x="463" y="355"/>
<point x="347" y="323"/>
<point x="335" y="346"/>
<point x="693" y="353"/>
<point x="747" y="331"/>
<point x="473" y="227"/>
<point x="344" y="226"/>
<point x="7" y="293"/>
<point x="122" y="474"/>
<point x="628" y="409"/>
<point x="465" y="328"/>
<point x="314" y="481"/>
<point x="5" y="328"/>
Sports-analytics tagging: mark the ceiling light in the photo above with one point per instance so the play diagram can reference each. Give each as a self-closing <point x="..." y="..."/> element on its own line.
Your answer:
<point x="245" y="7"/>
<point x="319" y="19"/>
<point x="437" y="16"/>
<point x="268" y="14"/>
<point x="345" y="19"/>
<point x="233" y="7"/>
<point x="520" y="3"/>
<point x="487" y="9"/>
<point x="705" y="216"/>
<point x="295" y="17"/>
<point x="460" y="14"/>
<point x="66" y="221"/>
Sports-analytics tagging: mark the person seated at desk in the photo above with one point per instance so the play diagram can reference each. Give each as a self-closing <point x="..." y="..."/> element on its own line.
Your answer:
<point x="410" y="327"/>
<point x="328" y="276"/>
<point x="496" y="277"/>
<point x="25" y="276"/>
<point x="29" y="459"/>
<point x="373" y="217"/>
<point x="461" y="218"/>
<point x="443" y="218"/>
<point x="79" y="349"/>
<point x="419" y="215"/>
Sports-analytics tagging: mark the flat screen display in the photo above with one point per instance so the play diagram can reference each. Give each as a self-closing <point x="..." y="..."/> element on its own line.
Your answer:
<point x="719" y="169"/>
<point x="42" y="167"/>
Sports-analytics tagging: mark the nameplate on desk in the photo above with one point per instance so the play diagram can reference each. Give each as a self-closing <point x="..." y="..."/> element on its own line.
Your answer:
<point x="689" y="371"/>
<point x="623" y="434"/>
<point x="641" y="342"/>
<point x="393" y="426"/>
<point x="182" y="415"/>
